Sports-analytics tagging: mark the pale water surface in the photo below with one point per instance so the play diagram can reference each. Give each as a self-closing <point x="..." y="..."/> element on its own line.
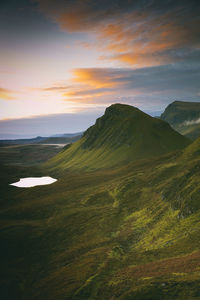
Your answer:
<point x="34" y="181"/>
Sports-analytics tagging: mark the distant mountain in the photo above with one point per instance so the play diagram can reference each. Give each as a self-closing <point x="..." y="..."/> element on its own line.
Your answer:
<point x="58" y="139"/>
<point x="68" y="134"/>
<point x="184" y="117"/>
<point x="22" y="141"/>
<point x="122" y="134"/>
<point x="11" y="136"/>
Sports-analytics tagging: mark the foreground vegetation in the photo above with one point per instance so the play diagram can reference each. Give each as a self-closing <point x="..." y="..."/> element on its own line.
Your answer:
<point x="127" y="232"/>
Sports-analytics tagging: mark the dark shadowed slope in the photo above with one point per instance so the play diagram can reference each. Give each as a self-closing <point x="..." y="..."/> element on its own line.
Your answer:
<point x="184" y="117"/>
<point x="123" y="134"/>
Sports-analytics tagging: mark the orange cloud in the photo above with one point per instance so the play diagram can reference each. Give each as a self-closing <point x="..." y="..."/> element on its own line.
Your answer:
<point x="130" y="31"/>
<point x="87" y="93"/>
<point x="87" y="96"/>
<point x="91" y="83"/>
<point x="140" y="42"/>
<point x="73" y="20"/>
<point x="133" y="33"/>
<point x="95" y="77"/>
<point x="6" y="94"/>
<point x="134" y="38"/>
<point x="53" y="88"/>
<point x="140" y="60"/>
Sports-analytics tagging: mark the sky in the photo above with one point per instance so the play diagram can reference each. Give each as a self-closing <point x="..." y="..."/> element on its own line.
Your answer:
<point x="76" y="57"/>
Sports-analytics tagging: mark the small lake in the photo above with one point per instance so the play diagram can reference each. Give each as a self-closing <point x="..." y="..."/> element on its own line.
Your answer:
<point x="33" y="181"/>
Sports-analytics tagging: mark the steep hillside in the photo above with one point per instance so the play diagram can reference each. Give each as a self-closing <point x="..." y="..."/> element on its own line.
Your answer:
<point x="184" y="117"/>
<point x="121" y="135"/>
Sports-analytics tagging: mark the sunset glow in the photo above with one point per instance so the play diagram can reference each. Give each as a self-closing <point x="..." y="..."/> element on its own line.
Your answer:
<point x="58" y="57"/>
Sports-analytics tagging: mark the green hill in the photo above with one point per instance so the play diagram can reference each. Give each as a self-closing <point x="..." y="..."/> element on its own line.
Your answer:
<point x="184" y="117"/>
<point x="121" y="135"/>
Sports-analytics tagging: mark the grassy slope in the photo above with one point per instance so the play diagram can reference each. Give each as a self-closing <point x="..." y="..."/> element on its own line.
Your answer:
<point x="123" y="134"/>
<point x="27" y="154"/>
<point x="178" y="112"/>
<point x="127" y="233"/>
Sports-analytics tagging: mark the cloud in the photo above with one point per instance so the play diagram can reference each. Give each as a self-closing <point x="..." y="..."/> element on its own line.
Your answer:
<point x="192" y="122"/>
<point x="89" y="84"/>
<point x="82" y="93"/>
<point x="97" y="77"/>
<point x="54" y="88"/>
<point x="6" y="94"/>
<point x="157" y="83"/>
<point x="134" y="33"/>
<point x="157" y="78"/>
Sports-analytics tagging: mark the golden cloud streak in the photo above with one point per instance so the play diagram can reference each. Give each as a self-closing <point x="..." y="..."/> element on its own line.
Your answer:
<point x="6" y="94"/>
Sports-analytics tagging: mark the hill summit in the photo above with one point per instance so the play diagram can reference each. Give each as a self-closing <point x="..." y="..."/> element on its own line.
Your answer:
<point x="122" y="134"/>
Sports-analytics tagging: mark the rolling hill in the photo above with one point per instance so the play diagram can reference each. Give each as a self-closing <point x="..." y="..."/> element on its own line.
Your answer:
<point x="121" y="135"/>
<point x="184" y="117"/>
